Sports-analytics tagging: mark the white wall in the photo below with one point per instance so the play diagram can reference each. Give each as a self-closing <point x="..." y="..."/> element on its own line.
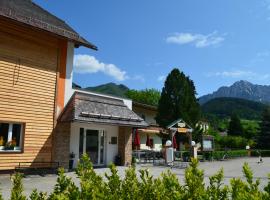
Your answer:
<point x="110" y="150"/>
<point x="157" y="141"/>
<point x="69" y="72"/>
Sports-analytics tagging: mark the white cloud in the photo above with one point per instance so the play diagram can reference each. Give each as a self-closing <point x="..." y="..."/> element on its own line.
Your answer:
<point x="161" y="78"/>
<point x="198" y="40"/>
<point x="240" y="74"/>
<point x="89" y="64"/>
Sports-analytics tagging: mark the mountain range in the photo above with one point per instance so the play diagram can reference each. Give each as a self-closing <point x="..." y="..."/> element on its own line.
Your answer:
<point x="224" y="107"/>
<point x="243" y="90"/>
<point x="118" y="90"/>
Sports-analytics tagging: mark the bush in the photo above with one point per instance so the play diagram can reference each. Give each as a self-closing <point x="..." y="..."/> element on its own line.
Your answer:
<point x="233" y="142"/>
<point x="167" y="186"/>
<point x="256" y="153"/>
<point x="218" y="155"/>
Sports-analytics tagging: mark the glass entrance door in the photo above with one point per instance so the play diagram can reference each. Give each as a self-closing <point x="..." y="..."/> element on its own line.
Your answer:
<point x="93" y="145"/>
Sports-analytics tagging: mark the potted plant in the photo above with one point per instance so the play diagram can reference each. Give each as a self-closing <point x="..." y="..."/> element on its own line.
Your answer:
<point x="2" y="143"/>
<point x="9" y="146"/>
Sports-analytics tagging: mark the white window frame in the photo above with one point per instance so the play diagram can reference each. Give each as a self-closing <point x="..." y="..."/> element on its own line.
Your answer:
<point x="10" y="130"/>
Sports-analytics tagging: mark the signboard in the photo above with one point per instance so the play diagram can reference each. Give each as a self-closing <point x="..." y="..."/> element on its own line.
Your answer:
<point x="207" y="143"/>
<point x="182" y="130"/>
<point x="181" y="124"/>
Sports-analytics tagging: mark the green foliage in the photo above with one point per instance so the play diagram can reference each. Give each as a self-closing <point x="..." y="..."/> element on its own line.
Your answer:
<point x="218" y="155"/>
<point x="224" y="107"/>
<point x="251" y="128"/>
<point x="235" y="127"/>
<point x="1" y="197"/>
<point x="17" y="189"/>
<point x="92" y="185"/>
<point x="233" y="142"/>
<point x="178" y="100"/>
<point x="264" y="135"/>
<point x="35" y="195"/>
<point x="146" y="187"/>
<point x="147" y="96"/>
<point x="65" y="188"/>
<point x="263" y="153"/>
<point x="194" y="179"/>
<point x="246" y="189"/>
<point x="216" y="191"/>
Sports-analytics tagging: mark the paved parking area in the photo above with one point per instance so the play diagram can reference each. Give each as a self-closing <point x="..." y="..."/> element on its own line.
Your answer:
<point x="232" y="168"/>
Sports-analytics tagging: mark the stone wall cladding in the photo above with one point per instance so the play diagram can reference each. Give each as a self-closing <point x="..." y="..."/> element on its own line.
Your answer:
<point x="125" y="145"/>
<point x="61" y="144"/>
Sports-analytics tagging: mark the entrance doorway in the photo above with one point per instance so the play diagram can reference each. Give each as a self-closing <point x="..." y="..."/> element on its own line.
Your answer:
<point x="92" y="143"/>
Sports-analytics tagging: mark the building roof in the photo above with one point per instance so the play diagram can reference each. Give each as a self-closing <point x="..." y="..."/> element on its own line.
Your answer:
<point x="91" y="108"/>
<point x="29" y="13"/>
<point x="145" y="106"/>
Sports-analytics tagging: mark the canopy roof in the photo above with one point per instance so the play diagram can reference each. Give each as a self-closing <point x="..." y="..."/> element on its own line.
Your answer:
<point x="91" y="108"/>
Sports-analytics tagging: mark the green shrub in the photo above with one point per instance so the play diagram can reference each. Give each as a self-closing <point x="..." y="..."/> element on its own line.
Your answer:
<point x="263" y="153"/>
<point x="146" y="187"/>
<point x="218" y="155"/>
<point x="233" y="142"/>
<point x="17" y="189"/>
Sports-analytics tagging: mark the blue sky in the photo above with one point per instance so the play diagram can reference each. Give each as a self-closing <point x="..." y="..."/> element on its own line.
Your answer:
<point x="214" y="42"/>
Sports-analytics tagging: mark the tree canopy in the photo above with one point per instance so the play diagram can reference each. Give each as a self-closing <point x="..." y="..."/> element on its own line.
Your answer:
<point x="264" y="135"/>
<point x="178" y="100"/>
<point x="147" y="96"/>
<point x="235" y="126"/>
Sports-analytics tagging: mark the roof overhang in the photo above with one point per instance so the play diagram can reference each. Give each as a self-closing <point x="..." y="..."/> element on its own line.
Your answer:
<point x="33" y="22"/>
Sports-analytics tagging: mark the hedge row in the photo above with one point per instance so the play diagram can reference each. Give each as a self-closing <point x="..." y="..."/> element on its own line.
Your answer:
<point x="263" y="153"/>
<point x="145" y="186"/>
<point x="219" y="155"/>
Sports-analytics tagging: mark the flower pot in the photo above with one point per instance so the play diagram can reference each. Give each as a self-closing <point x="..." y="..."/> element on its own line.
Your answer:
<point x="9" y="148"/>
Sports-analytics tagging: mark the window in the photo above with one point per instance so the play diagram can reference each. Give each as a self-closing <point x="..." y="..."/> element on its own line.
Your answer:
<point x="113" y="140"/>
<point x="10" y="137"/>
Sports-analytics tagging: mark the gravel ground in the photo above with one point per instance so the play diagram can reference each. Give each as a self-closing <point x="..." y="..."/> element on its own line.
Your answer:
<point x="232" y="168"/>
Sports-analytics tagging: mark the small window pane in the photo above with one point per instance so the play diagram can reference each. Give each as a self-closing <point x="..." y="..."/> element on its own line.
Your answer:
<point x="16" y="134"/>
<point x="113" y="140"/>
<point x="3" y="133"/>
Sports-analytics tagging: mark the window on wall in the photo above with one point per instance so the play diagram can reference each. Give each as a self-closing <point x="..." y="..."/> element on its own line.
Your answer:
<point x="10" y="136"/>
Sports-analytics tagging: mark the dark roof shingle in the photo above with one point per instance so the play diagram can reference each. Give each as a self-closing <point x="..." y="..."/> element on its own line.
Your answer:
<point x="97" y="109"/>
<point x="27" y="12"/>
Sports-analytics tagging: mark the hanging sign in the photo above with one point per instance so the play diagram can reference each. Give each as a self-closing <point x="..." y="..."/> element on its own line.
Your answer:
<point x="182" y="130"/>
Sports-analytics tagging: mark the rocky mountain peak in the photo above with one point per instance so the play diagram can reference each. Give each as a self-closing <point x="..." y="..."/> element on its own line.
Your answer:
<point x="241" y="89"/>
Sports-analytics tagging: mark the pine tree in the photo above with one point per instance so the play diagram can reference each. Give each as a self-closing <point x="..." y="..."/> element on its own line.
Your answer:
<point x="235" y="126"/>
<point x="178" y="100"/>
<point x="264" y="135"/>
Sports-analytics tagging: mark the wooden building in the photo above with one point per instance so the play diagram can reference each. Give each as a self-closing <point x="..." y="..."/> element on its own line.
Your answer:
<point x="36" y="67"/>
<point x="36" y="55"/>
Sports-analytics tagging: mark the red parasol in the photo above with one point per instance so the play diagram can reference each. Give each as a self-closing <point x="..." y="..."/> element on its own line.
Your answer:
<point x="148" y="143"/>
<point x="137" y="142"/>
<point x="175" y="146"/>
